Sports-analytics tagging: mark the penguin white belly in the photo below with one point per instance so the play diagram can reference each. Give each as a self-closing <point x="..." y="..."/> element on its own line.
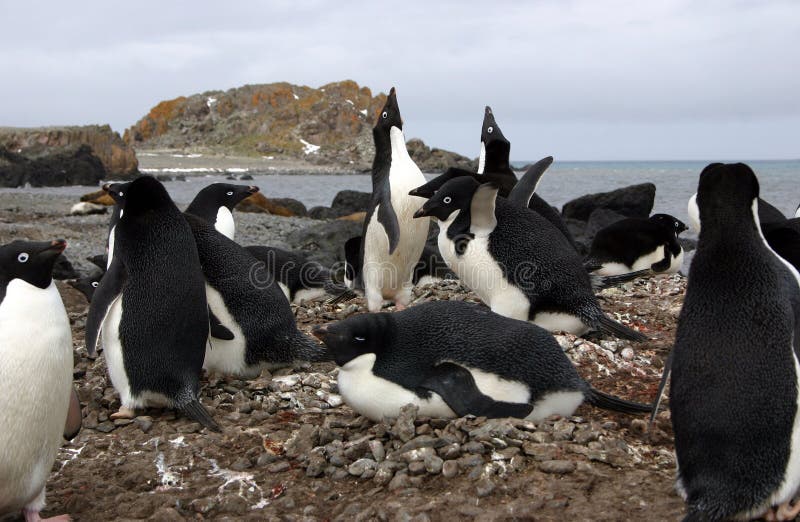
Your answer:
<point x="307" y="294"/>
<point x="560" y="322"/>
<point x="112" y="351"/>
<point x="224" y="223"/>
<point x="35" y="382"/>
<point x="645" y="261"/>
<point x="480" y="271"/>
<point x="375" y="397"/>
<point x="556" y="403"/>
<point x="675" y="263"/>
<point x="226" y="357"/>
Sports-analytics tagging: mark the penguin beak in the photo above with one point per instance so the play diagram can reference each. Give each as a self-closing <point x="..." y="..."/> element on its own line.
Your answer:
<point x="106" y="187"/>
<point x="320" y="332"/>
<point x="57" y="246"/>
<point x="422" y="212"/>
<point x="252" y="190"/>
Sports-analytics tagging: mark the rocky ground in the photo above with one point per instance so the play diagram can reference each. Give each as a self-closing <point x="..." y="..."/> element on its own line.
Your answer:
<point x="291" y="450"/>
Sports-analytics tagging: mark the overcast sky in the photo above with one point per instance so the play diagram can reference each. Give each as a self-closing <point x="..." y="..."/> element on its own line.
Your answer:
<point x="581" y="80"/>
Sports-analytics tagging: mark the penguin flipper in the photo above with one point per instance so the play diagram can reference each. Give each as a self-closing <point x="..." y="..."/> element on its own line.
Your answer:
<point x="660" y="394"/>
<point x="663" y="264"/>
<point x="610" y="402"/>
<point x="456" y="386"/>
<point x="194" y="410"/>
<point x="217" y="330"/>
<point x="609" y="326"/>
<point x="525" y="188"/>
<point x="107" y="292"/>
<point x="482" y="216"/>
<point x="388" y="219"/>
<point x="601" y="282"/>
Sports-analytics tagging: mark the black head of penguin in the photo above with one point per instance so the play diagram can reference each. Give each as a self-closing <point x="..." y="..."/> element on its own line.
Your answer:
<point x="725" y="197"/>
<point x="668" y="222"/>
<point x="455" y="195"/>
<point x="143" y="195"/>
<point x="496" y="146"/>
<point x="209" y="200"/>
<point x="86" y="285"/>
<point x="359" y="335"/>
<point x="117" y="191"/>
<point x="389" y="116"/>
<point x="30" y="261"/>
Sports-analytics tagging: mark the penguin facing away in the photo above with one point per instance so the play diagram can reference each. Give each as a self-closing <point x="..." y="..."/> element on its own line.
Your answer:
<point x="450" y="368"/>
<point x="215" y="204"/>
<point x="35" y="374"/>
<point x="735" y="372"/>
<point x="516" y="261"/>
<point x="393" y="239"/>
<point x="634" y="244"/>
<point x="151" y="307"/>
<point x="246" y="298"/>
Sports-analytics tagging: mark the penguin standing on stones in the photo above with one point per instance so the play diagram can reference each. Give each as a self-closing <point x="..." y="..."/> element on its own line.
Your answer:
<point x="734" y="392"/>
<point x="516" y="261"/>
<point x="393" y="239"/>
<point x="35" y="375"/>
<point x="441" y="356"/>
<point x="245" y="296"/>
<point x="215" y="203"/>
<point x="151" y="307"/>
<point x="634" y="244"/>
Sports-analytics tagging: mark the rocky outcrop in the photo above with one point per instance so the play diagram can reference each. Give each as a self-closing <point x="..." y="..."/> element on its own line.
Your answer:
<point x="118" y="159"/>
<point x="72" y="165"/>
<point x="437" y="160"/>
<point x="632" y="201"/>
<point x="259" y="203"/>
<point x="331" y="125"/>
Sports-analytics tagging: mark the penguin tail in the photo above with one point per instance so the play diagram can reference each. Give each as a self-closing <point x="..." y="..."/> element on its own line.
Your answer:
<point x="194" y="410"/>
<point x="610" y="402"/>
<point x="609" y="326"/>
<point x="601" y="282"/>
<point x="338" y="291"/>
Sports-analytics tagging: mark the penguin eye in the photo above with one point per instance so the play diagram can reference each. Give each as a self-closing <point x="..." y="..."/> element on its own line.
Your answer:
<point x="359" y="339"/>
<point x="121" y="193"/>
<point x="230" y="193"/>
<point x="95" y="284"/>
<point x="447" y="200"/>
<point x="23" y="257"/>
<point x="385" y="115"/>
<point x="490" y="130"/>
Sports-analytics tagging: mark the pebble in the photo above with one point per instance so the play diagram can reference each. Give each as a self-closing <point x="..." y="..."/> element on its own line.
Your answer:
<point x="627" y="354"/>
<point x="450" y="468"/>
<point x="485" y="487"/>
<point x="559" y="467"/>
<point x="404" y="428"/>
<point x="278" y="467"/>
<point x="377" y="450"/>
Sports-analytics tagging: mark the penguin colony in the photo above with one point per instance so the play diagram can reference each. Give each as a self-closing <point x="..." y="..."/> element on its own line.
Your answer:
<point x="176" y="295"/>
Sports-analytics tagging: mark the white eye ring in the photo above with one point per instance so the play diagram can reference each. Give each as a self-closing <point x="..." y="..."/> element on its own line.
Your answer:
<point x="95" y="284"/>
<point x="385" y="115"/>
<point x="360" y="339"/>
<point x="23" y="257"/>
<point x="490" y="130"/>
<point x="447" y="199"/>
<point x="230" y="193"/>
<point x="121" y="194"/>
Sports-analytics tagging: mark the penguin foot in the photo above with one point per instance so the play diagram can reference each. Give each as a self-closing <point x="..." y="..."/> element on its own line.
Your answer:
<point x="399" y="307"/>
<point x="783" y="512"/>
<point x="124" y="413"/>
<point x="33" y="516"/>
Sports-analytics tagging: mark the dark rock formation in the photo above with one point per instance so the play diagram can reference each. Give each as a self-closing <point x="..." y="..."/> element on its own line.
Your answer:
<point x="437" y="160"/>
<point x="324" y="242"/>
<point x="350" y="201"/>
<point x="73" y="165"/>
<point x="632" y="201"/>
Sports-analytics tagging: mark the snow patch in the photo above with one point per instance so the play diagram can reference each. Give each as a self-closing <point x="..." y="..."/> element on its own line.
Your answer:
<point x="363" y="111"/>
<point x="167" y="478"/>
<point x="210" y="101"/>
<point x="308" y="147"/>
<point x="246" y="482"/>
<point x="350" y="102"/>
<point x="296" y="97"/>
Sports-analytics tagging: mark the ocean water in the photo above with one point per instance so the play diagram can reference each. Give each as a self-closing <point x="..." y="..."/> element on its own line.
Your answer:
<point x="675" y="182"/>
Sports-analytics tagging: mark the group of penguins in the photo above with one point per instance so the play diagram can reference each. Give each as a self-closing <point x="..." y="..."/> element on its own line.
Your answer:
<point x="179" y="295"/>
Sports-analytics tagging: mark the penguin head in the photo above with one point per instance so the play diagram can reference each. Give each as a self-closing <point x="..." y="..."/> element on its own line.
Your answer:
<point x="390" y="115"/>
<point x="453" y="196"/>
<point x="668" y="222"/>
<point x="356" y="336"/>
<point x="726" y="195"/>
<point x="490" y="132"/>
<point x="86" y="285"/>
<point x="144" y="194"/>
<point x="30" y="261"/>
<point x="227" y="195"/>
<point x="117" y="191"/>
<point x="495" y="148"/>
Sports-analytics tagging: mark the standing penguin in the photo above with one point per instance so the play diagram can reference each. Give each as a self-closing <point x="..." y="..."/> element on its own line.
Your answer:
<point x="634" y="244"/>
<point x="35" y="374"/>
<point x="151" y="307"/>
<point x="516" y="261"/>
<point x="215" y="203"/>
<point x="735" y="372"/>
<point x="117" y="192"/>
<point x="442" y="357"/>
<point x="393" y="239"/>
<point x="245" y="296"/>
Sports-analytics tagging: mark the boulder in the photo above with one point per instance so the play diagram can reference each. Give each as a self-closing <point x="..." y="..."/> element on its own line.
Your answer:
<point x="74" y="165"/>
<point x="292" y="204"/>
<point x="437" y="160"/>
<point x="632" y="201"/>
<point x="600" y="219"/>
<point x="350" y="201"/>
<point x="322" y="213"/>
<point x="259" y="203"/>
<point x="324" y="242"/>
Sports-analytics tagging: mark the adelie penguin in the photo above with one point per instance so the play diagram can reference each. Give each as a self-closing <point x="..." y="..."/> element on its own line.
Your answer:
<point x="151" y="307"/>
<point x="516" y="261"/>
<point x="442" y="357"/>
<point x="634" y="244"/>
<point x="393" y="239"/>
<point x="494" y="166"/>
<point x="734" y="393"/>
<point x="215" y="203"/>
<point x="246" y="299"/>
<point x="36" y="393"/>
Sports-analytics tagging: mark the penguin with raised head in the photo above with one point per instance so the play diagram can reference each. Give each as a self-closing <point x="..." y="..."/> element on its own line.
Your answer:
<point x="734" y="392"/>
<point x="246" y="298"/>
<point x="516" y="261"/>
<point x="634" y="244"/>
<point x="151" y="307"/>
<point x="36" y="392"/>
<point x="215" y="203"/>
<point x="393" y="239"/>
<point x="441" y="356"/>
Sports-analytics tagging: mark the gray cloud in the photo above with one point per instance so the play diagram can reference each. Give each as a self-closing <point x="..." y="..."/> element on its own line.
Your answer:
<point x="580" y="79"/>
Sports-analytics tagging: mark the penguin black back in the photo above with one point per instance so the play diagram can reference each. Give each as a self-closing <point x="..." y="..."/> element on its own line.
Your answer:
<point x="734" y="385"/>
